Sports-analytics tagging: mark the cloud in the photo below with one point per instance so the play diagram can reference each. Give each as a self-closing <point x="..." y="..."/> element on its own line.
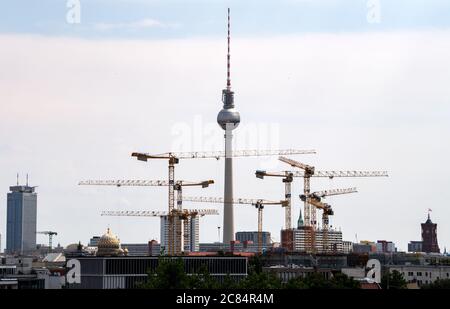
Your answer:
<point x="134" y="25"/>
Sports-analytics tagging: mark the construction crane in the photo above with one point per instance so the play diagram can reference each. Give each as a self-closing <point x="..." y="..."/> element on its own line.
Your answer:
<point x="310" y="216"/>
<point x="287" y="178"/>
<point x="315" y="198"/>
<point x="326" y="174"/>
<point x="174" y="158"/>
<point x="307" y="173"/>
<point x="146" y="183"/>
<point x="258" y="203"/>
<point x="177" y="186"/>
<point x="182" y="215"/>
<point x="154" y="213"/>
<point x="50" y="237"/>
<point x="318" y="195"/>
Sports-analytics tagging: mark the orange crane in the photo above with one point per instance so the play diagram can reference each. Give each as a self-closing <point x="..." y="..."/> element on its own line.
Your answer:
<point x="50" y="237"/>
<point x="258" y="203"/>
<point x="175" y="225"/>
<point x="314" y="199"/>
<point x="182" y="215"/>
<point x="174" y="158"/>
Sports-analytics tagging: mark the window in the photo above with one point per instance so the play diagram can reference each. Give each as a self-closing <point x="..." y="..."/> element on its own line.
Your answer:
<point x="419" y="273"/>
<point x="410" y="273"/>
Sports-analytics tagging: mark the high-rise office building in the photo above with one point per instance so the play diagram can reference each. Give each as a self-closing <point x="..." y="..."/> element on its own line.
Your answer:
<point x="21" y="220"/>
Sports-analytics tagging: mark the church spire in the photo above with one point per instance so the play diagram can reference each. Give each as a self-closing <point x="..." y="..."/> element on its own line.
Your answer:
<point x="300" y="220"/>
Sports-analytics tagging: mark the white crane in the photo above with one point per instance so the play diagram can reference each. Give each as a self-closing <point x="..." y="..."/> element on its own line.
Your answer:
<point x="258" y="203"/>
<point x="175" y="225"/>
<point x="179" y="215"/>
<point x="174" y="158"/>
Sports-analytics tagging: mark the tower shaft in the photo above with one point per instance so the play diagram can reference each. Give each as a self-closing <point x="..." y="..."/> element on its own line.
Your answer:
<point x="228" y="119"/>
<point x="228" y="211"/>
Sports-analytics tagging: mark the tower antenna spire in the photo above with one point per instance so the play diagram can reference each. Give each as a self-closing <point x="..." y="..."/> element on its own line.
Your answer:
<point x="228" y="55"/>
<point x="228" y="119"/>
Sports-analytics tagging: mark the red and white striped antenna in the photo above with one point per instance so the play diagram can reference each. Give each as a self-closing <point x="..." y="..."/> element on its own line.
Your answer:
<point x="228" y="54"/>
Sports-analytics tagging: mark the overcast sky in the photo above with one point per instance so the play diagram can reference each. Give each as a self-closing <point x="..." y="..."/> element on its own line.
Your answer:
<point x="365" y="83"/>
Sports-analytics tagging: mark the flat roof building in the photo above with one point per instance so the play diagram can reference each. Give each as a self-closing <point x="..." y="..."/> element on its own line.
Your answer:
<point x="21" y="220"/>
<point x="296" y="240"/>
<point x="253" y="236"/>
<point x="129" y="272"/>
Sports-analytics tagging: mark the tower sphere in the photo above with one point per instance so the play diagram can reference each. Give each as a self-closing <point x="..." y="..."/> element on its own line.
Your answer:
<point x="231" y="116"/>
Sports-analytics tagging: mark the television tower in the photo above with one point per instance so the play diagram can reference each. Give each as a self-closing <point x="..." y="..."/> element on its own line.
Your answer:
<point x="228" y="119"/>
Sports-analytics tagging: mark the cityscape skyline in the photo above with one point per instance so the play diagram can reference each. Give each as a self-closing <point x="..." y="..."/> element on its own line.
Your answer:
<point x="365" y="100"/>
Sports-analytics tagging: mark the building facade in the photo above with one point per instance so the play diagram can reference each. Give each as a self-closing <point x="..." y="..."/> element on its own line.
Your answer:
<point x="253" y="236"/>
<point x="93" y="241"/>
<point x="129" y="272"/>
<point x="347" y="247"/>
<point x="422" y="274"/>
<point x="296" y="240"/>
<point x="234" y="246"/>
<point x="21" y="220"/>
<point x="415" y="246"/>
<point x="429" y="237"/>
<point x="384" y="246"/>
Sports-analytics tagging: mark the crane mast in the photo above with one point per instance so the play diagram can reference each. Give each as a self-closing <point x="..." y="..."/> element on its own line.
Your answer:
<point x="180" y="215"/>
<point x="314" y="199"/>
<point x="174" y="157"/>
<point x="287" y="178"/>
<point x="258" y="203"/>
<point x="175" y="226"/>
<point x="50" y="238"/>
<point x="310" y="213"/>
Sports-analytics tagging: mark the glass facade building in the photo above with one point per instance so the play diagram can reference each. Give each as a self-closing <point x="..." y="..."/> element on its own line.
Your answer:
<point x="128" y="272"/>
<point x="21" y="220"/>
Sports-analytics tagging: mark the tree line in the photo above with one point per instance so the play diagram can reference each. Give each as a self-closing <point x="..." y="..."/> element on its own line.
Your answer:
<point x="170" y="274"/>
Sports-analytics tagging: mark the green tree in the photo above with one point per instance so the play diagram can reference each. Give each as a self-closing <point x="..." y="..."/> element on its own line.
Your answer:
<point x="393" y="280"/>
<point x="203" y="280"/>
<point x="255" y="264"/>
<point x="296" y="283"/>
<point x="342" y="281"/>
<point x="438" y="284"/>
<point x="169" y="274"/>
<point x="257" y="278"/>
<point x="228" y="283"/>
<point x="260" y="280"/>
<point x="318" y="281"/>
